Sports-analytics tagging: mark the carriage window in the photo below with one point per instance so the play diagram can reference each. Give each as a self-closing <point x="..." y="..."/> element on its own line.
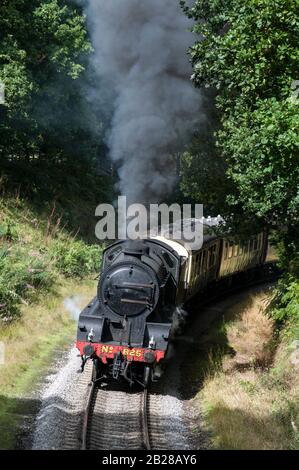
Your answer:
<point x="208" y="259"/>
<point x="236" y="247"/>
<point x="230" y="250"/>
<point x="203" y="263"/>
<point x="260" y="240"/>
<point x="213" y="255"/>
<point x="210" y="256"/>
<point x="225" y="250"/>
<point x="199" y="261"/>
<point x="197" y="264"/>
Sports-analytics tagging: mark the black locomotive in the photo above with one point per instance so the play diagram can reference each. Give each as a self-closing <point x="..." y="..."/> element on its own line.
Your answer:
<point x="125" y="330"/>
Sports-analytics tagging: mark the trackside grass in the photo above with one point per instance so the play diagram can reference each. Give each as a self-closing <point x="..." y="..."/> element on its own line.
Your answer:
<point x="31" y="345"/>
<point x="251" y="399"/>
<point x="41" y="264"/>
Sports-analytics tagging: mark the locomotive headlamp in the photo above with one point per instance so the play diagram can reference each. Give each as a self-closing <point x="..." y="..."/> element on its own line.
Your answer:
<point x="149" y="356"/>
<point x="152" y="343"/>
<point x="91" y="335"/>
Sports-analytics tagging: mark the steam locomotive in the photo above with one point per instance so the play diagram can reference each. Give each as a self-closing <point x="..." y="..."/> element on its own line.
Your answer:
<point x="143" y="284"/>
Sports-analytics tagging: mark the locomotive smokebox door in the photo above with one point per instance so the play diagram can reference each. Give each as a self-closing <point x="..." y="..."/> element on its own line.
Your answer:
<point x="129" y="289"/>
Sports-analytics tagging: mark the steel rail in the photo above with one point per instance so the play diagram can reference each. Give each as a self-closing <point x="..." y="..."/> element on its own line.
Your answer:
<point x="145" y="427"/>
<point x="86" y="415"/>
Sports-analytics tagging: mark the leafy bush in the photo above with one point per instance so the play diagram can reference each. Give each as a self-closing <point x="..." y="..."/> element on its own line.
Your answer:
<point x="76" y="258"/>
<point x="287" y="301"/>
<point x="21" y="276"/>
<point x="247" y="53"/>
<point x="35" y="252"/>
<point x="8" y="231"/>
<point x="24" y="273"/>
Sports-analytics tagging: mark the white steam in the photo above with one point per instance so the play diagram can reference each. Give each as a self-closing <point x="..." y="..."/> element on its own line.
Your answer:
<point x="140" y="52"/>
<point x="72" y="305"/>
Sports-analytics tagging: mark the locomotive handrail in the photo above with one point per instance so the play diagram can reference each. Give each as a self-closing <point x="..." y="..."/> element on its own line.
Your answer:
<point x="133" y="301"/>
<point x="132" y="284"/>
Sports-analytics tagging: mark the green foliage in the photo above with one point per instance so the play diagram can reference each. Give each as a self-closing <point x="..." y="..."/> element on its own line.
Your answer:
<point x="76" y="259"/>
<point x="287" y="303"/>
<point x="261" y="147"/>
<point x="8" y="231"/>
<point x="35" y="252"/>
<point x="203" y="177"/>
<point x="248" y="49"/>
<point x="248" y="52"/>
<point x="20" y="278"/>
<point x="38" y="38"/>
<point x="48" y="123"/>
<point x="203" y="170"/>
<point x="51" y="149"/>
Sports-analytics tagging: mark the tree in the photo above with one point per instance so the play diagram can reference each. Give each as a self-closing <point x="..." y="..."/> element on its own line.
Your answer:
<point x="248" y="52"/>
<point x="203" y="170"/>
<point x="47" y="118"/>
<point x="38" y="39"/>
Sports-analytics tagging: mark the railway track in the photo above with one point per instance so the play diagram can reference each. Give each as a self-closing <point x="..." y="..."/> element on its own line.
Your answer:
<point x="116" y="418"/>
